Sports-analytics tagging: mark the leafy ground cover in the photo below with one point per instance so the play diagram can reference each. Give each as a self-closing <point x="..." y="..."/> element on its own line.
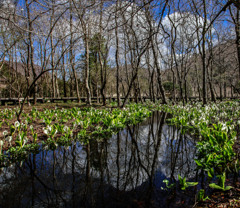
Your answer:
<point x="215" y="126"/>
<point x="59" y="126"/>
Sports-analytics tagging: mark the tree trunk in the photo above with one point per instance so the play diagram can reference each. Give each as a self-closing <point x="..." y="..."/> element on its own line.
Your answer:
<point x="117" y="58"/>
<point x="159" y="75"/>
<point x="64" y="74"/>
<point x="210" y="78"/>
<point x="238" y="40"/>
<point x="185" y="89"/>
<point x="236" y="20"/>
<point x="103" y="81"/>
<point x="31" y="52"/>
<point x="56" y="84"/>
<point x="88" y="92"/>
<point x="72" y="56"/>
<point x="52" y="54"/>
<point x="173" y="80"/>
<point x="204" y="88"/>
<point x="198" y="84"/>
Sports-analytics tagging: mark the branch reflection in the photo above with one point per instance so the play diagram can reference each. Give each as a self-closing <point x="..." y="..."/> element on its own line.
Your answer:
<point x="124" y="171"/>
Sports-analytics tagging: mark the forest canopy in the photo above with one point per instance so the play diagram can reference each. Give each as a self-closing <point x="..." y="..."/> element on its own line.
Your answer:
<point x="99" y="48"/>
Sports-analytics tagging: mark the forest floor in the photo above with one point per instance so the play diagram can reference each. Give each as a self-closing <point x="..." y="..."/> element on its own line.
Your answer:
<point x="38" y="125"/>
<point x="217" y="199"/>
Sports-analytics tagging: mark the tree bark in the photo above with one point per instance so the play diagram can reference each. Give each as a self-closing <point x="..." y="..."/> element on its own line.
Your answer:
<point x="159" y="75"/>
<point x="204" y="88"/>
<point x="238" y="40"/>
<point x="31" y="52"/>
<point x="88" y="92"/>
<point x="71" y="54"/>
<point x="117" y="56"/>
<point x="52" y="53"/>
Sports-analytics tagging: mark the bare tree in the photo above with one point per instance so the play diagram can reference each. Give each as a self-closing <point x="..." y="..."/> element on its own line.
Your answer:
<point x="83" y="9"/>
<point x="117" y="54"/>
<point x="235" y="14"/>
<point x="153" y="37"/>
<point x="71" y="54"/>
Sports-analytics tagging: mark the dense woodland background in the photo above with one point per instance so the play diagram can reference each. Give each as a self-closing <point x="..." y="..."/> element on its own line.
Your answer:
<point x="100" y="48"/>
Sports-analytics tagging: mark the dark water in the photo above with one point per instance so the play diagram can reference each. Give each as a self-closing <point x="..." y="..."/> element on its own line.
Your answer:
<point x="124" y="171"/>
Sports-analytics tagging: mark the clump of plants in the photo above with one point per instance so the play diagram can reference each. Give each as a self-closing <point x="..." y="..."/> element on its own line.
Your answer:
<point x="214" y="126"/>
<point x="62" y="126"/>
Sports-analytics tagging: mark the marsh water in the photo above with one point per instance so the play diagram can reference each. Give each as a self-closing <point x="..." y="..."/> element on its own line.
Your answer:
<point x="126" y="170"/>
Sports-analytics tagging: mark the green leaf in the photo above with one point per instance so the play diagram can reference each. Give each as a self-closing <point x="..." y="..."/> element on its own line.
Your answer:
<point x="165" y="181"/>
<point x="181" y="180"/>
<point x="206" y="198"/>
<point x="184" y="180"/>
<point x="211" y="173"/>
<point x="222" y="179"/>
<point x="227" y="188"/>
<point x="192" y="183"/>
<point x="199" y="164"/>
<point x="200" y="195"/>
<point x="215" y="186"/>
<point x="183" y="188"/>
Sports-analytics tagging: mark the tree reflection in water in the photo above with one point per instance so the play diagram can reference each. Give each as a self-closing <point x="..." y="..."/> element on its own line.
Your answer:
<point x="124" y="171"/>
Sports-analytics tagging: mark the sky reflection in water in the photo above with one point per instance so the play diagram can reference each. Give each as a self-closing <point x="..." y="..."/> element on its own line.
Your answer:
<point x="124" y="171"/>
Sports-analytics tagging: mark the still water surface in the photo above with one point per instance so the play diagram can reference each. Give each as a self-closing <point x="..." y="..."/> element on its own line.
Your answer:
<point x="126" y="170"/>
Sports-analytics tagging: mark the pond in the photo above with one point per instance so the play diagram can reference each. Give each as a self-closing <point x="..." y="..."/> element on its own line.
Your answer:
<point x="126" y="170"/>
